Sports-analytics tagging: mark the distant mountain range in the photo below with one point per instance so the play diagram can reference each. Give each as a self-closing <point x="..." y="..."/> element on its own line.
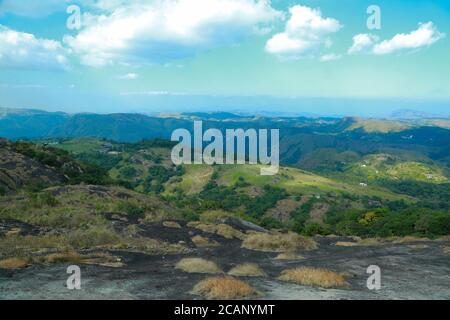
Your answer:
<point x="408" y="114"/>
<point x="303" y="141"/>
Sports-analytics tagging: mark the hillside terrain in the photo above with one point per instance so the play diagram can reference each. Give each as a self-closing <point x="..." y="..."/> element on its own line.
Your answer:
<point x="344" y="198"/>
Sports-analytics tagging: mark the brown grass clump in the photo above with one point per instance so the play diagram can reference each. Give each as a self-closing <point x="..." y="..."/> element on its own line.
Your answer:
<point x="314" y="277"/>
<point x="278" y="242"/>
<point x="13" y="263"/>
<point x="229" y="232"/>
<point x="288" y="256"/>
<point x="390" y="240"/>
<point x="224" y="288"/>
<point x="13" y="232"/>
<point x="222" y="229"/>
<point x="370" y="242"/>
<point x="247" y="270"/>
<point x="407" y="239"/>
<point x="202" y="242"/>
<point x="101" y="259"/>
<point x="171" y="224"/>
<point x="346" y="244"/>
<point x="197" y="265"/>
<point x="61" y="257"/>
<point x="446" y="250"/>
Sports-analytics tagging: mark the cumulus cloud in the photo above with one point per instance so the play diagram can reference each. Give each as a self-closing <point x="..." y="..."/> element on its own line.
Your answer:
<point x="426" y="35"/>
<point x="163" y="30"/>
<point x="24" y="50"/>
<point x="305" y="36"/>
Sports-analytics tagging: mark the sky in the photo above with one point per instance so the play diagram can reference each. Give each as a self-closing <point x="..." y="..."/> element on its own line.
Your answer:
<point x="346" y="57"/>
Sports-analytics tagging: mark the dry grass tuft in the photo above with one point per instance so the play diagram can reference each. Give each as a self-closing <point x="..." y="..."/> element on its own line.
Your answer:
<point x="101" y="259"/>
<point x="13" y="232"/>
<point x="13" y="263"/>
<point x="446" y="250"/>
<point x="278" y="242"/>
<point x="224" y="288"/>
<point x="222" y="229"/>
<point x="171" y="224"/>
<point x="288" y="256"/>
<point x="247" y="270"/>
<point x="370" y="242"/>
<point x="390" y="240"/>
<point x="229" y="232"/>
<point x="314" y="277"/>
<point x="346" y="244"/>
<point x="61" y="257"/>
<point x="197" y="265"/>
<point x="203" y="242"/>
<point x="408" y="239"/>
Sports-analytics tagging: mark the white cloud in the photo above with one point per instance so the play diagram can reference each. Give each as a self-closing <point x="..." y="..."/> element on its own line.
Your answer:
<point x="129" y="76"/>
<point x="163" y="30"/>
<point x="363" y="43"/>
<point x="24" y="50"/>
<point x="425" y="35"/>
<point x="305" y="36"/>
<point x="330" y="57"/>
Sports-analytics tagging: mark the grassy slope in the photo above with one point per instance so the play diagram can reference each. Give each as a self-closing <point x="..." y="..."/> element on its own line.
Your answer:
<point x="296" y="181"/>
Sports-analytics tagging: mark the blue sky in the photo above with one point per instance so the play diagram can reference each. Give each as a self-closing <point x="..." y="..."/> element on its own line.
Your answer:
<point x="315" y="56"/>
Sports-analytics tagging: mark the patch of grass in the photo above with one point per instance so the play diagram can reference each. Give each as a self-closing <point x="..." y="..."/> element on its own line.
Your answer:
<point x="60" y="257"/>
<point x="24" y="246"/>
<point x="346" y="244"/>
<point x="132" y="209"/>
<point x="247" y="270"/>
<point x="71" y="256"/>
<point x="203" y="242"/>
<point x="13" y="263"/>
<point x="222" y="229"/>
<point x="381" y="241"/>
<point x="279" y="242"/>
<point x="197" y="265"/>
<point x="171" y="224"/>
<point x="288" y="256"/>
<point x="224" y="288"/>
<point x="314" y="277"/>
<point x="446" y="250"/>
<point x="213" y="215"/>
<point x="66" y="244"/>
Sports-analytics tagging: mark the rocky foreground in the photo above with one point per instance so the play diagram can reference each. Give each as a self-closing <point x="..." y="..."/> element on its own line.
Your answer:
<point x="410" y="268"/>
